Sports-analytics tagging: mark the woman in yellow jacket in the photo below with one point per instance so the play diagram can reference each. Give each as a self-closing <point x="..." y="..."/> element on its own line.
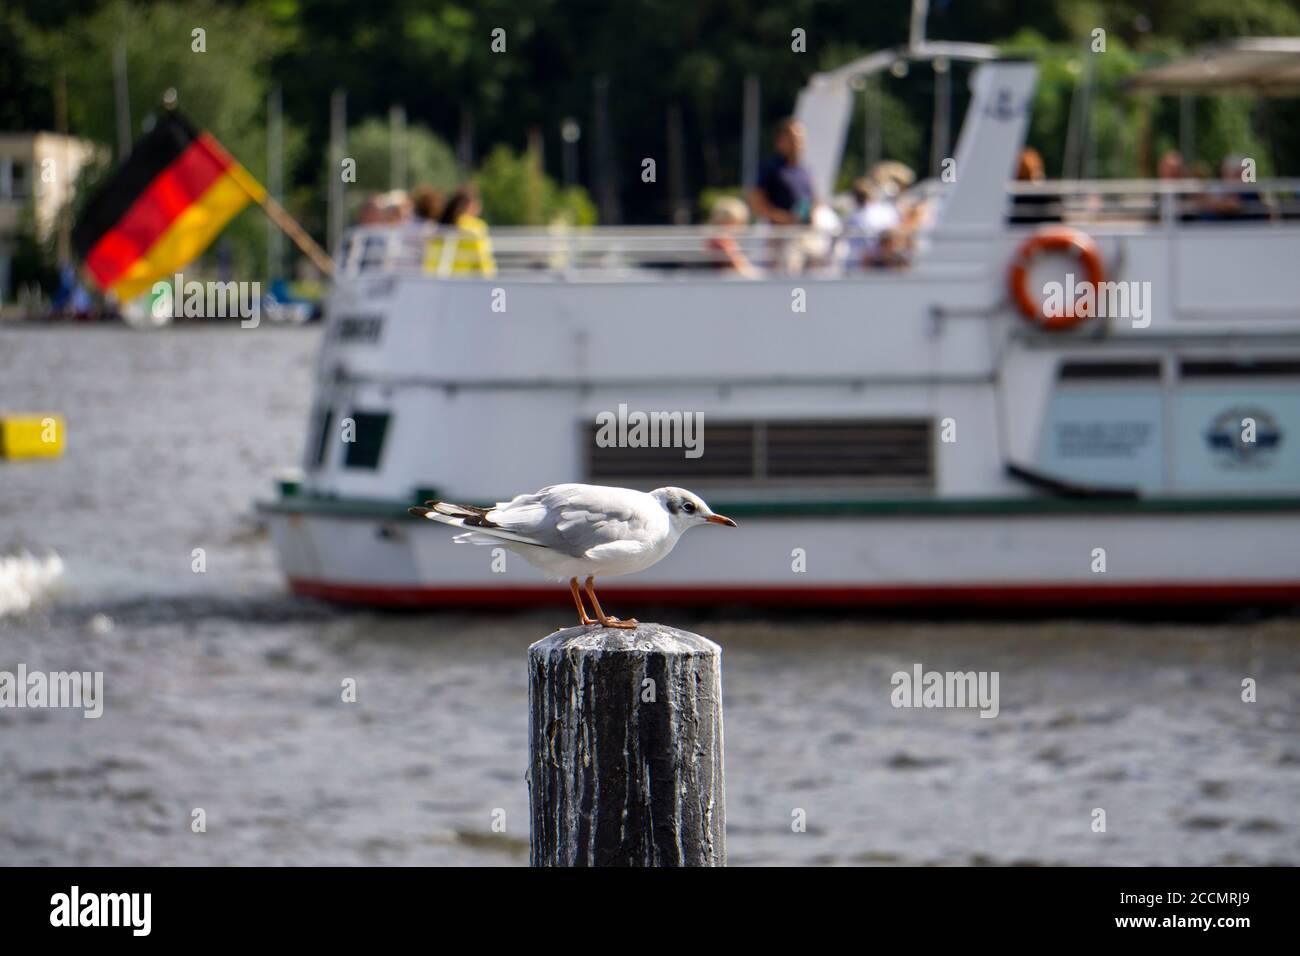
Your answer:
<point x="469" y="252"/>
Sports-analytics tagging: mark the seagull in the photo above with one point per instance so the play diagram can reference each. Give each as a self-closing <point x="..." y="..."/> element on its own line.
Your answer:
<point x="571" y="531"/>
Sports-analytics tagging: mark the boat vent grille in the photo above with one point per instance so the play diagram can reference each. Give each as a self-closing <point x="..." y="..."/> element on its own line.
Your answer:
<point x="878" y="452"/>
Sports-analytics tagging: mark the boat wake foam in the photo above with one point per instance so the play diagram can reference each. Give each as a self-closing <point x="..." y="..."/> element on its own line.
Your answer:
<point x="27" y="579"/>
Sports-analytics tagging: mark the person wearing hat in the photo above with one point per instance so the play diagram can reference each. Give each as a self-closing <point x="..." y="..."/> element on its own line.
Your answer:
<point x="729" y="214"/>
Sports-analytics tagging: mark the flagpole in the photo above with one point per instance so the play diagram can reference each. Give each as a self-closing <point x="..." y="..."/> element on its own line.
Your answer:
<point x="277" y="213"/>
<point x="294" y="231"/>
<point x="274" y="180"/>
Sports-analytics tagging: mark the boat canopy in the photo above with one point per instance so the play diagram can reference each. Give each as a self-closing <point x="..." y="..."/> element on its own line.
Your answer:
<point x="825" y="104"/>
<point x="1257" y="66"/>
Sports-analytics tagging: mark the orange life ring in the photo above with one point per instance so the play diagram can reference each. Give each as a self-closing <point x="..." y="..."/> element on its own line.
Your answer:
<point x="1052" y="239"/>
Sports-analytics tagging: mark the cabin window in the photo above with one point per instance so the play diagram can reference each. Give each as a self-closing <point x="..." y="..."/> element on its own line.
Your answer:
<point x="880" y="452"/>
<point x="1110" y="371"/>
<point x="15" y="181"/>
<point x="1235" y="421"/>
<point x="324" y="422"/>
<point x="1105" y="424"/>
<point x="371" y="429"/>
<point x="1244" y="368"/>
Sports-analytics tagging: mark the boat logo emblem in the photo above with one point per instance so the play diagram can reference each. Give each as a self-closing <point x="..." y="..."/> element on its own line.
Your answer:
<point x="1003" y="107"/>
<point x="1243" y="436"/>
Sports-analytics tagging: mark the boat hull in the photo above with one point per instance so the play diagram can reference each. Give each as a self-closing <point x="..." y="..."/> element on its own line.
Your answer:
<point x="1081" y="560"/>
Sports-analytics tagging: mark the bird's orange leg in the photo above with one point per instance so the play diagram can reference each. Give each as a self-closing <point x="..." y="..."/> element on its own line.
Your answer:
<point x="605" y="619"/>
<point x="577" y="599"/>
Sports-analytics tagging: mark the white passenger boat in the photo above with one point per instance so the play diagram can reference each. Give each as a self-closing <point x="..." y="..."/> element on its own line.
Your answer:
<point x="909" y="437"/>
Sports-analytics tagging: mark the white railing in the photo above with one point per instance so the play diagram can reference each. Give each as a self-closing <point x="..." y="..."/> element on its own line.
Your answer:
<point x="659" y="252"/>
<point x="612" y="251"/>
<point x="1167" y="201"/>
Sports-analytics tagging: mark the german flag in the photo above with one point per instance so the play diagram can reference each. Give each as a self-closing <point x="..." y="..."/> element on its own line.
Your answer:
<point x="162" y="207"/>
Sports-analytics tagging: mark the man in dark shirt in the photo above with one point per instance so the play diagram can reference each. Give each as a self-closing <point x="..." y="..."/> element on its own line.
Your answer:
<point x="784" y="193"/>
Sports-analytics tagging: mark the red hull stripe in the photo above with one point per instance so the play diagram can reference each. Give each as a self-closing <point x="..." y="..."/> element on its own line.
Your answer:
<point x="174" y="190"/>
<point x="964" y="595"/>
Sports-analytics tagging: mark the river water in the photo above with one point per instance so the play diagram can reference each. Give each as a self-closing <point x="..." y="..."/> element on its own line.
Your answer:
<point x="222" y="693"/>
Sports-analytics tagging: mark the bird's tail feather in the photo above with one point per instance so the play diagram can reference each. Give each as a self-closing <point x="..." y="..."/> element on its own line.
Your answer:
<point x="478" y="537"/>
<point x="457" y="511"/>
<point x="479" y="527"/>
<point x="451" y="514"/>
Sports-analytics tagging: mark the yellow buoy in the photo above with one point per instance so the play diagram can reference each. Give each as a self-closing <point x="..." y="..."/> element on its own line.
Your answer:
<point x="31" y="436"/>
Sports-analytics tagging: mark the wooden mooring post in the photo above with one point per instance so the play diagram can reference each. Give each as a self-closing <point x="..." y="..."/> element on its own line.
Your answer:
<point x="625" y="748"/>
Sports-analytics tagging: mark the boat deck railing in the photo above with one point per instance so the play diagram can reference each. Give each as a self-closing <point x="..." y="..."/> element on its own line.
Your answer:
<point x="624" y="253"/>
<point x="1168" y="202"/>
<point x="612" y="251"/>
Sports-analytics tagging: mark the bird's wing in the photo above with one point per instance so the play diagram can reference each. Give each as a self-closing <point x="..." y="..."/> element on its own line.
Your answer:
<point x="575" y="519"/>
<point x="572" y="519"/>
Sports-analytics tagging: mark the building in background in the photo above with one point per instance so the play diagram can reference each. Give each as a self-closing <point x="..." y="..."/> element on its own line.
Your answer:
<point x="38" y="174"/>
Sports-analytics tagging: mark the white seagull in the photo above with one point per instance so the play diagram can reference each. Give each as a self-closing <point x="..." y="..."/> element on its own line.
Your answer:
<point x="571" y="531"/>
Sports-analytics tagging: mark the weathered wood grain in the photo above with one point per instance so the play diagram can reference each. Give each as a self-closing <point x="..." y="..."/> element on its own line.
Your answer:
<point x="625" y="748"/>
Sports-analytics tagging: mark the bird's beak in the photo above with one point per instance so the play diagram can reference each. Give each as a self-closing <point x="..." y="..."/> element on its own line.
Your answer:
<point x="721" y="519"/>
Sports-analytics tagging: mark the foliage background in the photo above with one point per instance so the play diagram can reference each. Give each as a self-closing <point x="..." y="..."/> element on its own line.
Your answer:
<point x="434" y="57"/>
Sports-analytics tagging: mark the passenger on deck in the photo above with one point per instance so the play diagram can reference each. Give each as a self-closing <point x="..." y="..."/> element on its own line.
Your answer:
<point x="384" y="208"/>
<point x="462" y="246"/>
<point x="394" y="206"/>
<point x="1040" y="207"/>
<point x="1170" y="165"/>
<point x="1237" y="204"/>
<point x="892" y="176"/>
<point x="875" y="214"/>
<point x="783" y="195"/>
<point x="369" y="214"/>
<point x="894" y="250"/>
<point x="426" y="204"/>
<point x="728" y="215"/>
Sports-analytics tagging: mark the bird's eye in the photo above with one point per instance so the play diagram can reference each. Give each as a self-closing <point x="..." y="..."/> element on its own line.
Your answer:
<point x="688" y="507"/>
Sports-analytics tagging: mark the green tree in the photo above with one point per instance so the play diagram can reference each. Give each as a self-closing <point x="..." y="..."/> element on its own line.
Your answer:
<point x="429" y="160"/>
<point x="220" y="77"/>
<point x="34" y="260"/>
<point x="436" y="58"/>
<point x="516" y="192"/>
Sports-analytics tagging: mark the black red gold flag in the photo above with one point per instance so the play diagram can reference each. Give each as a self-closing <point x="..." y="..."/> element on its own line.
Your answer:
<point x="166" y="204"/>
